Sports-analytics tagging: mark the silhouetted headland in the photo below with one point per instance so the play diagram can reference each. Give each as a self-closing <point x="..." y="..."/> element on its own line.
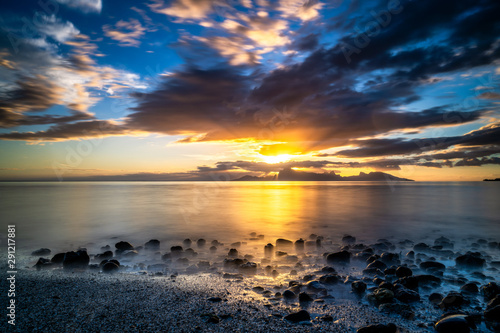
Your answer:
<point x="492" y="180"/>
<point x="288" y="174"/>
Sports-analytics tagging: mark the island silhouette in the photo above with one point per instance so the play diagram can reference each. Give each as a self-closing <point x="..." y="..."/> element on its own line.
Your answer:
<point x="288" y="174"/>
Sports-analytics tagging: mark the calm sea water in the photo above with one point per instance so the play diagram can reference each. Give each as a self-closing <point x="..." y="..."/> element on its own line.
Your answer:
<point x="72" y="214"/>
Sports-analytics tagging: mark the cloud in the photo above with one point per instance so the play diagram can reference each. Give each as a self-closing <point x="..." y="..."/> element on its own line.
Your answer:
<point x="86" y="6"/>
<point x="56" y="28"/>
<point x="127" y="33"/>
<point x="185" y="9"/>
<point x="489" y="95"/>
<point x="302" y="9"/>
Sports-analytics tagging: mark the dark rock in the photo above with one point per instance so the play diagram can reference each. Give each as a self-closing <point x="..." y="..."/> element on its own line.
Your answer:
<point x="79" y="259"/>
<point x="213" y="249"/>
<point x="43" y="263"/>
<point x="342" y="258"/>
<point x="314" y="286"/>
<point x="490" y="290"/>
<point x="385" y="285"/>
<point x="328" y="269"/>
<point x="410" y="255"/>
<point x="187" y="242"/>
<point x="249" y="268"/>
<point x="215" y="299"/>
<point x="110" y="267"/>
<point x="284" y="243"/>
<point x="105" y="248"/>
<point x="444" y="243"/>
<point x="326" y="318"/>
<point x="105" y="255"/>
<point x="269" y="250"/>
<point x="329" y="279"/>
<point x="421" y="247"/>
<point x="296" y="317"/>
<point x="389" y="258"/>
<point x="176" y="249"/>
<point x="494" y="302"/>
<point x="403" y="271"/>
<point x="152" y="245"/>
<point x="470" y="260"/>
<point x="201" y="242"/>
<point x="390" y="271"/>
<point x="457" y="323"/>
<point x="378" y="328"/>
<point x="304" y="297"/>
<point x="435" y="298"/>
<point x="299" y="245"/>
<point x="470" y="288"/>
<point x="406" y="295"/>
<point x="233" y="253"/>
<point x="410" y="282"/>
<point x="123" y="246"/>
<point x="58" y="258"/>
<point x="432" y="265"/>
<point x="452" y="300"/>
<point x="41" y="252"/>
<point x="404" y="310"/>
<point x="428" y="280"/>
<point x="358" y="287"/>
<point x="129" y="253"/>
<point x="347" y="239"/>
<point x="381" y="296"/>
<point x="493" y="314"/>
<point x="377" y="264"/>
<point x="288" y="294"/>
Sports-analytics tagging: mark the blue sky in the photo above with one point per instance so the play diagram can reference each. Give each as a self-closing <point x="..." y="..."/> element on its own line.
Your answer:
<point x="177" y="89"/>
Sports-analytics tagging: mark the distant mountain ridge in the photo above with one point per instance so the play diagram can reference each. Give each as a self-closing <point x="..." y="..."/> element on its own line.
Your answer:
<point x="288" y="174"/>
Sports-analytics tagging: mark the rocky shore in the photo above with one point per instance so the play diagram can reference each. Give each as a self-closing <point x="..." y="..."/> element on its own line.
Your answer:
<point x="316" y="284"/>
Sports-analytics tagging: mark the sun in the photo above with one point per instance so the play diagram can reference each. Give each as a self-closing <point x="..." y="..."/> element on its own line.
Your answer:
<point x="276" y="159"/>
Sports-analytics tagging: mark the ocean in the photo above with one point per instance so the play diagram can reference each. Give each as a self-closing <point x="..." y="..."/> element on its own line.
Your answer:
<point x="66" y="215"/>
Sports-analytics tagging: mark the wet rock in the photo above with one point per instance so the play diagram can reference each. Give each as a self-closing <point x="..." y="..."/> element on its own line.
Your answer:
<point x="378" y="328"/>
<point x="296" y="317"/>
<point x="41" y="252"/>
<point x="470" y="288"/>
<point x="406" y="295"/>
<point x="123" y="246"/>
<point x="284" y="243"/>
<point x="58" y="258"/>
<point x="444" y="242"/>
<point x="105" y="248"/>
<point x="470" y="260"/>
<point x="435" y="298"/>
<point x="404" y="310"/>
<point x="452" y="300"/>
<point x="329" y="279"/>
<point x="187" y="242"/>
<point x="494" y="302"/>
<point x="233" y="253"/>
<point x="129" y="253"/>
<point x="348" y="239"/>
<point x="79" y="259"/>
<point x="493" y="314"/>
<point x="390" y="271"/>
<point x="152" y="245"/>
<point x="381" y="296"/>
<point x="490" y="290"/>
<point x="410" y="255"/>
<point x="377" y="264"/>
<point x="428" y="280"/>
<point x="373" y="272"/>
<point x="288" y="294"/>
<point x="299" y="245"/>
<point x="421" y="247"/>
<point x="389" y="258"/>
<point x="304" y="297"/>
<point x="410" y="282"/>
<point x="110" y="267"/>
<point x="341" y="258"/>
<point x="358" y="287"/>
<point x="457" y="323"/>
<point x="328" y="269"/>
<point x="215" y="299"/>
<point x="211" y="318"/>
<point x="43" y="263"/>
<point x="432" y="266"/>
<point x="248" y="268"/>
<point x="268" y="250"/>
<point x="201" y="242"/>
<point x="314" y="286"/>
<point x="326" y="318"/>
<point x="213" y="249"/>
<point x="403" y="271"/>
<point x="105" y="255"/>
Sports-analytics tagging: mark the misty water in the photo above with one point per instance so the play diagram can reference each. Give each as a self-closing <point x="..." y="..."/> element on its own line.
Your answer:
<point x="66" y="215"/>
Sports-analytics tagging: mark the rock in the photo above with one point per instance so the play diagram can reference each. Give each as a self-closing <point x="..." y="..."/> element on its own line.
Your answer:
<point x="432" y="265"/>
<point x="304" y="297"/>
<point x="284" y="243"/>
<point x="490" y="290"/>
<point x="390" y="258"/>
<point x="326" y="318"/>
<point x="410" y="255"/>
<point x="249" y="268"/>
<point x="435" y="298"/>
<point x="329" y="279"/>
<point x="470" y="260"/>
<point x="215" y="299"/>
<point x="314" y="286"/>
<point x="358" y="287"/>
<point x="213" y="249"/>
<point x="201" y="242"/>
<point x="493" y="314"/>
<point x="110" y="267"/>
<point x="187" y="242"/>
<point x="428" y="280"/>
<point x="43" y="263"/>
<point x="470" y="288"/>
<point x="296" y="317"/>
<point x="123" y="246"/>
<point x="377" y="264"/>
<point x="347" y="239"/>
<point x="58" y="258"/>
<point x="421" y="247"/>
<point x="381" y="296"/>
<point x="494" y="302"/>
<point x="105" y="248"/>
<point x="79" y="259"/>
<point x="404" y="310"/>
<point x="444" y="242"/>
<point x="129" y="253"/>
<point x="299" y="245"/>
<point x="288" y="294"/>
<point x="269" y="250"/>
<point x="233" y="253"/>
<point x="105" y="255"/>
<point x="152" y="245"/>
<point x="406" y="295"/>
<point x="457" y="323"/>
<point x="342" y="258"/>
<point x="452" y="300"/>
<point x="378" y="328"/>
<point x="403" y="271"/>
<point x="41" y="252"/>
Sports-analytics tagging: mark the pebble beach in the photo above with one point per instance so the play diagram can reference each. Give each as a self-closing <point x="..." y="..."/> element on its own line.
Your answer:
<point x="315" y="284"/>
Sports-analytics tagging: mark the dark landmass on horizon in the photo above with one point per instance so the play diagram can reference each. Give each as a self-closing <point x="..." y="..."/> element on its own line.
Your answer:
<point x="289" y="174"/>
<point x="492" y="180"/>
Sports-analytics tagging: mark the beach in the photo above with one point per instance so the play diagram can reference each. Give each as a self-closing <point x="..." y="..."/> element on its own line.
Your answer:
<point x="344" y="285"/>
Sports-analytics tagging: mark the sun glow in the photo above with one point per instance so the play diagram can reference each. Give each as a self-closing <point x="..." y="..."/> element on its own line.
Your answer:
<point x="276" y="159"/>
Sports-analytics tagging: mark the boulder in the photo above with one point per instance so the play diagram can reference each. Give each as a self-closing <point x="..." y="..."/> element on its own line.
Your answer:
<point x="79" y="259"/>
<point x="456" y="323"/>
<point x="342" y="258"/>
<point x="296" y="317"/>
<point x="153" y="245"/>
<point x="41" y="252"/>
<point x="378" y="328"/>
<point x="470" y="260"/>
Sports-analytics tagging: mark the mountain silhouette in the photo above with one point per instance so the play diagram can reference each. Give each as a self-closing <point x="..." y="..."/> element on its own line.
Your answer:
<point x="288" y="174"/>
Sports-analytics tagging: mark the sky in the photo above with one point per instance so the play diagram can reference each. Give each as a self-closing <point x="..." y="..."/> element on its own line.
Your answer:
<point x="217" y="89"/>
